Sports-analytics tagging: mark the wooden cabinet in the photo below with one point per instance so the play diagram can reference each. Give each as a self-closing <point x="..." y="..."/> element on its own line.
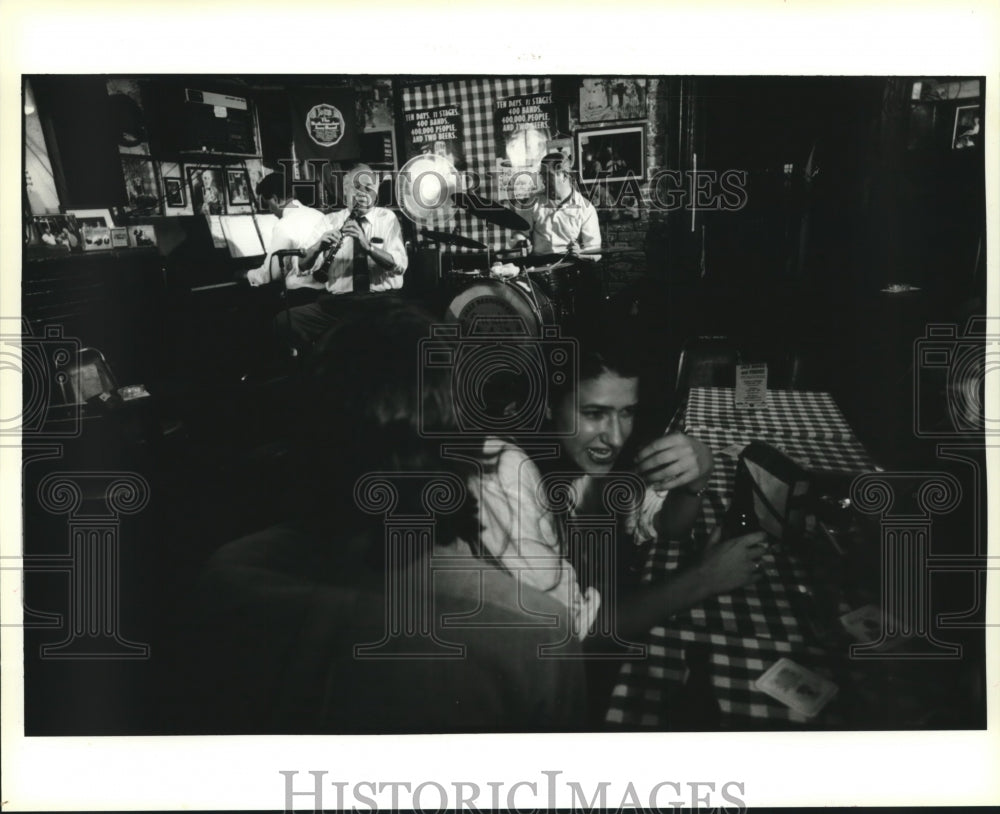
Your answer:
<point x="113" y="301"/>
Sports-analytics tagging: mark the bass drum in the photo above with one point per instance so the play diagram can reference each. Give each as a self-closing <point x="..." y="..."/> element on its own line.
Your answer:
<point x="491" y="306"/>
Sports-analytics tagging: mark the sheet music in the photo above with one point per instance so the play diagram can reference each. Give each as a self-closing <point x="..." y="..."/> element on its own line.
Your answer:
<point x="241" y="235"/>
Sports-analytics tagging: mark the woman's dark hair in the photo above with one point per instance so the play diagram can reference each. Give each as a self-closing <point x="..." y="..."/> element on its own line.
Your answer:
<point x="374" y="410"/>
<point x="602" y="346"/>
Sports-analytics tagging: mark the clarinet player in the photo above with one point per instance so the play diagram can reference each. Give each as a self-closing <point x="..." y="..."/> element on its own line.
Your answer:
<point x="359" y="252"/>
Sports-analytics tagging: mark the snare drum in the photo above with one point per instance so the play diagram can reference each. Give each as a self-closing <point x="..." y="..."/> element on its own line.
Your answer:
<point x="568" y="287"/>
<point x="517" y="305"/>
<point x="558" y="285"/>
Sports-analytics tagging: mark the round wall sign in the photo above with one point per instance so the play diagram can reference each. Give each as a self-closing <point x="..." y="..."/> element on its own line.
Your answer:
<point x="325" y="125"/>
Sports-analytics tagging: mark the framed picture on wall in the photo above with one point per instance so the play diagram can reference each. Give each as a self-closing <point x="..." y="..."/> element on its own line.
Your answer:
<point x="92" y="217"/>
<point x="95" y="228"/>
<point x="944" y="90"/>
<point x="612" y="154"/>
<point x="142" y="236"/>
<point x="141" y="187"/>
<point x="207" y="194"/>
<point x="238" y="187"/>
<point x="968" y="123"/>
<point x="173" y="193"/>
<point x="57" y="232"/>
<point x="612" y="99"/>
<point x="375" y="107"/>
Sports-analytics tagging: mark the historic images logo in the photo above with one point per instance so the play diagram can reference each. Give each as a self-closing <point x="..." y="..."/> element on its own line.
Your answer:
<point x="325" y="125"/>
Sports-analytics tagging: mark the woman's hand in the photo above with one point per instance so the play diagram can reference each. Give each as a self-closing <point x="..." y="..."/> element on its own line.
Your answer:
<point x="675" y="460"/>
<point x="730" y="564"/>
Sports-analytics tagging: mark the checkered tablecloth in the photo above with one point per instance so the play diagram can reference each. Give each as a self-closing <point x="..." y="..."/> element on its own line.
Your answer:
<point x="789" y="413"/>
<point x="476" y="98"/>
<point x="749" y="629"/>
<point x="841" y="455"/>
<point x="642" y="698"/>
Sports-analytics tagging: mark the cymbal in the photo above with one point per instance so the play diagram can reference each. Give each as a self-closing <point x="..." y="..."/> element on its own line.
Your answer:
<point x="490" y="211"/>
<point x="608" y="250"/>
<point x="453" y="239"/>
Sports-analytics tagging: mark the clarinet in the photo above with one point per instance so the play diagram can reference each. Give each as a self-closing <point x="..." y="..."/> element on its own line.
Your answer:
<point x="322" y="274"/>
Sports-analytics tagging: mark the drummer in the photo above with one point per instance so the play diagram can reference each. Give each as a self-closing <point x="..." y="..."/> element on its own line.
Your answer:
<point x="560" y="219"/>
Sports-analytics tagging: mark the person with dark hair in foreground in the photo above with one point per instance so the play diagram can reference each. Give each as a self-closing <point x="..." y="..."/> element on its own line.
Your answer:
<point x="368" y="613"/>
<point x="590" y="417"/>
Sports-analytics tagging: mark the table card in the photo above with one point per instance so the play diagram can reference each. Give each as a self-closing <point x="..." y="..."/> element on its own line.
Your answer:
<point x="803" y="690"/>
<point x="751" y="386"/>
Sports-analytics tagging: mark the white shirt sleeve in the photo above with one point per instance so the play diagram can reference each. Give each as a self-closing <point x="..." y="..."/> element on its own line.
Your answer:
<point x="521" y="533"/>
<point x="271" y="269"/>
<point x="590" y="230"/>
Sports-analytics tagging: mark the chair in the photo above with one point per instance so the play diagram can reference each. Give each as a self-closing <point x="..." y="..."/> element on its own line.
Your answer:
<point x="84" y="377"/>
<point x="707" y="361"/>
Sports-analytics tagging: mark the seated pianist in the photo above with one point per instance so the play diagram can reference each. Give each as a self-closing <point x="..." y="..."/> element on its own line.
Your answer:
<point x="297" y="224"/>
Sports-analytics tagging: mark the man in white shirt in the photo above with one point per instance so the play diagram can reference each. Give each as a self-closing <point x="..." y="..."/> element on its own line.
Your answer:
<point x="361" y="230"/>
<point x="295" y="229"/>
<point x="561" y="222"/>
<point x="356" y="251"/>
<point x="561" y="219"/>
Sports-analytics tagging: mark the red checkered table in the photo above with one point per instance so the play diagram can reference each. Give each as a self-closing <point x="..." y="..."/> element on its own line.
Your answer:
<point x="750" y="629"/>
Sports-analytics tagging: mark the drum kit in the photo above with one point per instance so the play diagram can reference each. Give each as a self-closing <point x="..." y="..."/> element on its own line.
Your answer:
<point x="510" y="293"/>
